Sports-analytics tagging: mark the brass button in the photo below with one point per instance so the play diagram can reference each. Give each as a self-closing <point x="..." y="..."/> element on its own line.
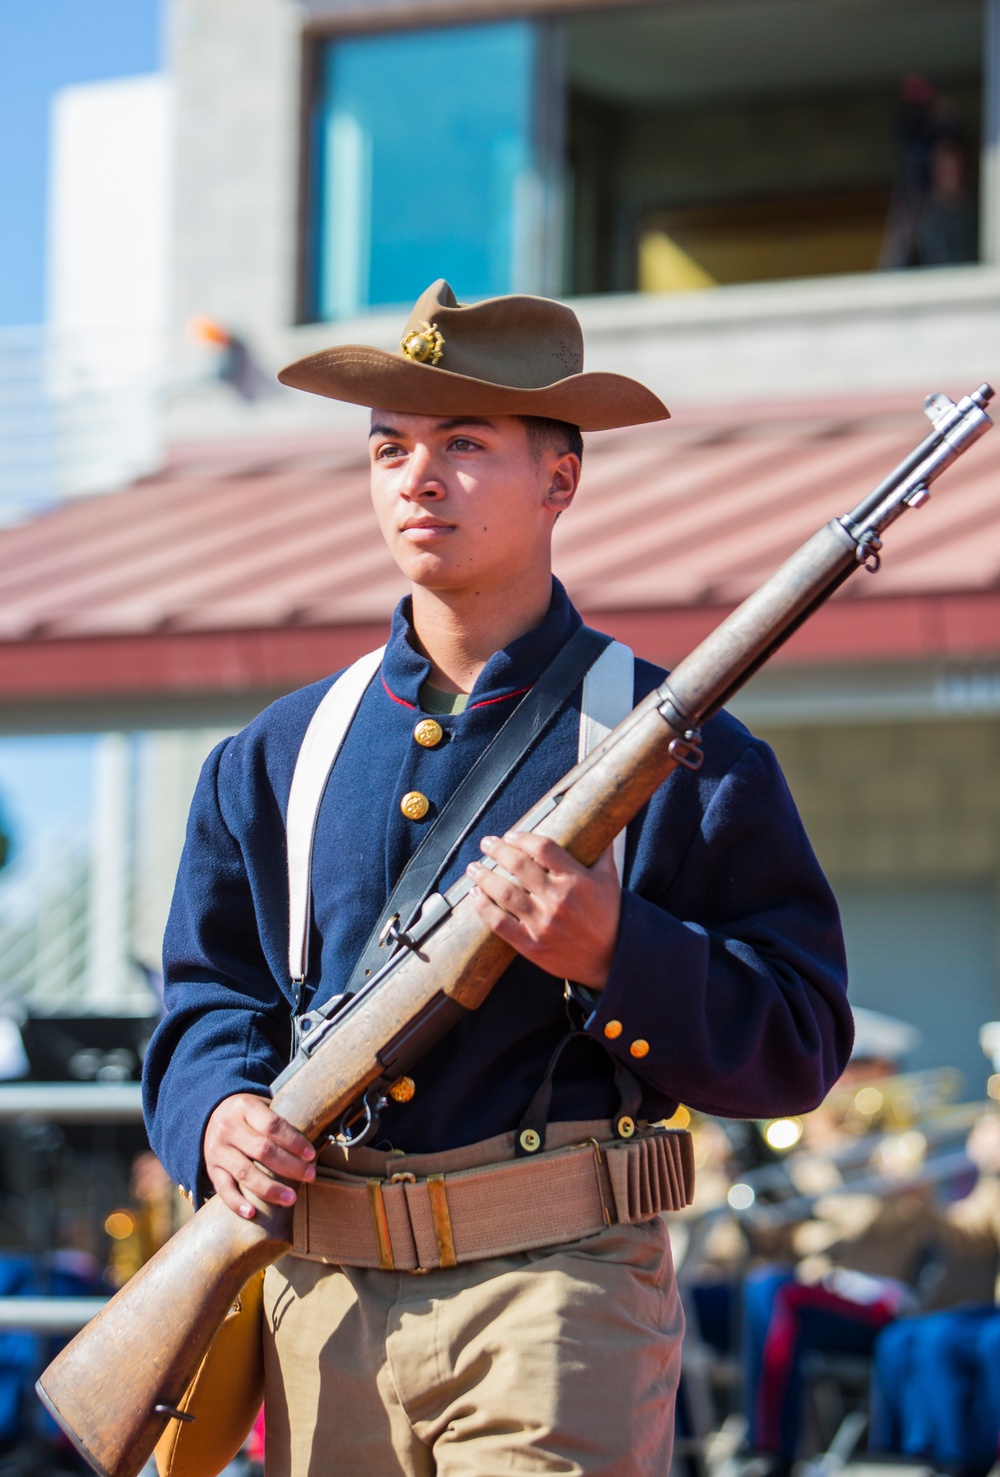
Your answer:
<point x="402" y="1089"/>
<point x="626" y="1127"/>
<point x="639" y="1048"/>
<point x="414" y="805"/>
<point x="530" y="1141"/>
<point x="613" y="1030"/>
<point x="428" y="733"/>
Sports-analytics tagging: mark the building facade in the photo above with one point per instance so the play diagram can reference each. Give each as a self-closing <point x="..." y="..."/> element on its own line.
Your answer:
<point x="331" y="156"/>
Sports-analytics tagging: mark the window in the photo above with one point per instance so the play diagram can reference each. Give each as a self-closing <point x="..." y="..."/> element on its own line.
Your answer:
<point x="732" y="141"/>
<point x="654" y="148"/>
<point x="429" y="165"/>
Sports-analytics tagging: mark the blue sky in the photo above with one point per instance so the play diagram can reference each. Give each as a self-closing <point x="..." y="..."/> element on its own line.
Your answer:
<point x="45" y="45"/>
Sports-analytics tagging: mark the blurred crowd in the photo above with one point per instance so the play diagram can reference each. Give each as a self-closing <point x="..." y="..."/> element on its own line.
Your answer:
<point x="78" y="1265"/>
<point x="839" y="1273"/>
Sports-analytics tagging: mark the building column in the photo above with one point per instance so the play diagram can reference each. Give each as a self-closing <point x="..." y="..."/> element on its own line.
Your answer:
<point x="108" y="970"/>
<point x="989" y="227"/>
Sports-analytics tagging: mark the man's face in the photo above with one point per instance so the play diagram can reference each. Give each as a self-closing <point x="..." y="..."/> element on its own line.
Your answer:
<point x="465" y="502"/>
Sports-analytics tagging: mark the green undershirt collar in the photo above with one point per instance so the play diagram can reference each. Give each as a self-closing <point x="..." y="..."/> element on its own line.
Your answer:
<point x="433" y="700"/>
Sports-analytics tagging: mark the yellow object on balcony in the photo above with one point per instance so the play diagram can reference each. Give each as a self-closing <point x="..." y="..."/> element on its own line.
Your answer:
<point x="666" y="267"/>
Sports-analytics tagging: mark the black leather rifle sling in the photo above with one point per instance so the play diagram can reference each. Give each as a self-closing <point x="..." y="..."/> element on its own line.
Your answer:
<point x="529" y="720"/>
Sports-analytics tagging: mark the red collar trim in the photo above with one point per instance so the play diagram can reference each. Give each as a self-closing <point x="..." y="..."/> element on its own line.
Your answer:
<point x="484" y="703"/>
<point x="400" y="700"/>
<point x="503" y="698"/>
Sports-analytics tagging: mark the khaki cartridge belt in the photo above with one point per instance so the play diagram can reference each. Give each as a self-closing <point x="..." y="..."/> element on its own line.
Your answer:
<point x="412" y="1223"/>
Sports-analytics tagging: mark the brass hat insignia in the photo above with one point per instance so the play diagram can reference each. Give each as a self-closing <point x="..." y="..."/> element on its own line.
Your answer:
<point x="424" y="345"/>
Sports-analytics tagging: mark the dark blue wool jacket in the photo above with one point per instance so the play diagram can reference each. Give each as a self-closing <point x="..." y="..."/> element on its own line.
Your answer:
<point x="729" y="961"/>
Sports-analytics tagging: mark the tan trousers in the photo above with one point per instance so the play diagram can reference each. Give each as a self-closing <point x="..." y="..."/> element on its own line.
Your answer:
<point x="560" y="1360"/>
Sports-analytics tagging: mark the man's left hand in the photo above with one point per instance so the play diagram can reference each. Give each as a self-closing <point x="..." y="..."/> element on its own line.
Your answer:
<point x="559" y="914"/>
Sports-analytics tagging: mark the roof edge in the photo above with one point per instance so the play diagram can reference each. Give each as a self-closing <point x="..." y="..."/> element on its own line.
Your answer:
<point x="956" y="627"/>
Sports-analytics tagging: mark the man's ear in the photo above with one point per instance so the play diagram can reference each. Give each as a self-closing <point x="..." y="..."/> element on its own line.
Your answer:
<point x="564" y="478"/>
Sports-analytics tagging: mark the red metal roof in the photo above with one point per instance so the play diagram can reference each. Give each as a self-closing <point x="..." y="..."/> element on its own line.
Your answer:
<point x="259" y="566"/>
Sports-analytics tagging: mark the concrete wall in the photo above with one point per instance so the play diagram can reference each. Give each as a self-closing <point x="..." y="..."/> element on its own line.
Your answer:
<point x="905" y="817"/>
<point x="898" y="802"/>
<point x="236" y="65"/>
<point x="833" y="335"/>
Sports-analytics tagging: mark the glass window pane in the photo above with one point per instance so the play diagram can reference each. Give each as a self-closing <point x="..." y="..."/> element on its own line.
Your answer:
<point x="735" y="142"/>
<point x="426" y="166"/>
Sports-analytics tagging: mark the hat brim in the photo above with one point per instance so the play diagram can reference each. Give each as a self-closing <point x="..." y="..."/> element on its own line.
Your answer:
<point x="367" y="376"/>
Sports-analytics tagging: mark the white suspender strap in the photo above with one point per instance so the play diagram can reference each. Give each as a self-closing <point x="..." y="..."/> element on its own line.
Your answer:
<point x="320" y="747"/>
<point x="607" y="697"/>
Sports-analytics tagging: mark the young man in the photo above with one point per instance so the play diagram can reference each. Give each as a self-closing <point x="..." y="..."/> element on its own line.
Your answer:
<point x="714" y="977"/>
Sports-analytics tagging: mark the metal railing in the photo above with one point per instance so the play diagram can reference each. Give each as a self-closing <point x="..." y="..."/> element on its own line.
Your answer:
<point x="45" y="922"/>
<point x="48" y="1315"/>
<point x="79" y="412"/>
<point x="71" y="1102"/>
<point x="65" y="931"/>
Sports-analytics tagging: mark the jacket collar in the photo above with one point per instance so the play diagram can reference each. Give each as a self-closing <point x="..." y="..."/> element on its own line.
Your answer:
<point x="507" y="673"/>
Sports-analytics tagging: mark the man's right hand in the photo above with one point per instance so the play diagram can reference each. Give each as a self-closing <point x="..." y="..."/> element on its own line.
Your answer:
<point x="243" y="1134"/>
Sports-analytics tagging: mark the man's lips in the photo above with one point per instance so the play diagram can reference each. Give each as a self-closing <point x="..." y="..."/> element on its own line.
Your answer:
<point x="426" y="528"/>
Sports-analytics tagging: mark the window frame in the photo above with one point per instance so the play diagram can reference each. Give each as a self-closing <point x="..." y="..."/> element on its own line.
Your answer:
<point x="547" y="121"/>
<point x="332" y="19"/>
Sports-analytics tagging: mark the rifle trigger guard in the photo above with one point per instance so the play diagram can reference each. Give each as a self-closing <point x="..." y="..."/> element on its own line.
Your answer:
<point x="687" y="750"/>
<point x="346" y="1137"/>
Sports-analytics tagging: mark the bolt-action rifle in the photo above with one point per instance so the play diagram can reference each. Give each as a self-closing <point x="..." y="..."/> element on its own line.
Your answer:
<point x="117" y="1384"/>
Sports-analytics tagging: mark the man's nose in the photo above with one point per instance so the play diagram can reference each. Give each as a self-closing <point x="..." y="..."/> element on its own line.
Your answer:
<point x="421" y="479"/>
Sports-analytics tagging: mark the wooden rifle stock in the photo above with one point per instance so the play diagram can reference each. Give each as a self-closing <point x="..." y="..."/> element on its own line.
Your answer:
<point x="113" y="1388"/>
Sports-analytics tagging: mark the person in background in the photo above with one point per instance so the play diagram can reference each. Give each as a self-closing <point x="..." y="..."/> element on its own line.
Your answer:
<point x="857" y="1264"/>
<point x="933" y="213"/>
<point x="948" y="225"/>
<point x="154" y="1214"/>
<point x="936" y="1378"/>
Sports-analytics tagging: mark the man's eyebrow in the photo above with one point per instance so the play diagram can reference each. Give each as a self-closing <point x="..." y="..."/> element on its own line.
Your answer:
<point x="465" y="420"/>
<point x="381" y="428"/>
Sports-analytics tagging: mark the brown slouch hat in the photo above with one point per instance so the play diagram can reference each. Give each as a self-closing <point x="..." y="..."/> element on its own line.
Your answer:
<point x="513" y="355"/>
